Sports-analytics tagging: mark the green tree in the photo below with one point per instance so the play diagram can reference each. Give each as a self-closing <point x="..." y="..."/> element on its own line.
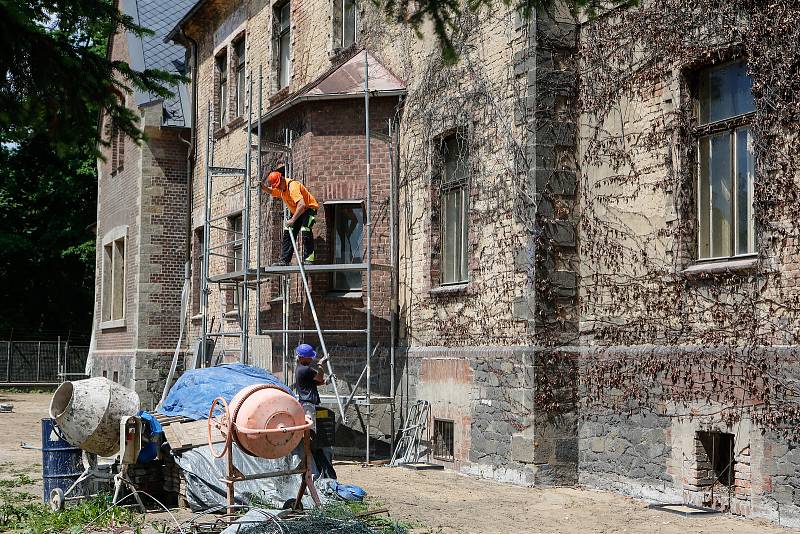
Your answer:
<point x="56" y="75"/>
<point x="56" y="80"/>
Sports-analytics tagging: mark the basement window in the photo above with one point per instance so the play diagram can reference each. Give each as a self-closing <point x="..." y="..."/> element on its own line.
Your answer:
<point x="443" y="442"/>
<point x="348" y="229"/>
<point x="717" y="452"/>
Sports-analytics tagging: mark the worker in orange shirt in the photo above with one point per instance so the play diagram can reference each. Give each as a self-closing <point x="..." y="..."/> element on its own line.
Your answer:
<point x="303" y="208"/>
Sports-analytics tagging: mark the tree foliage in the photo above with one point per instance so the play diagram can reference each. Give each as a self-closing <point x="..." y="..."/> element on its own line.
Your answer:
<point x="56" y="75"/>
<point x="56" y="79"/>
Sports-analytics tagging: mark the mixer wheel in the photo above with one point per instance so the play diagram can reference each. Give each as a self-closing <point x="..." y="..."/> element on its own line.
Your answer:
<point x="222" y="423"/>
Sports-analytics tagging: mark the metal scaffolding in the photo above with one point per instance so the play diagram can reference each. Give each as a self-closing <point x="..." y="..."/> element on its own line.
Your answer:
<point x="237" y="283"/>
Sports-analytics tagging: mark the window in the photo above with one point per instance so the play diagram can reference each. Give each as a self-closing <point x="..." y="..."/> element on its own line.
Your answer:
<point x="197" y="275"/>
<point x="443" y="442"/>
<point x="725" y="162"/>
<point x="283" y="43"/>
<point x="344" y="23"/>
<point x="241" y="92"/>
<point x="454" y="208"/>
<point x="222" y="88"/>
<point x="235" y="238"/>
<point x="117" y="149"/>
<point x="716" y="451"/>
<point x="348" y="228"/>
<point x="114" y="280"/>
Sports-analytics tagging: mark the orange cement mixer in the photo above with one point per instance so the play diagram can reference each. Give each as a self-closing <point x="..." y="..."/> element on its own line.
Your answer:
<point x="263" y="420"/>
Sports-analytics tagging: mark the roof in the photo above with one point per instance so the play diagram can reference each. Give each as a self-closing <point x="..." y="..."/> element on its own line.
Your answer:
<point x="180" y="22"/>
<point x="152" y="52"/>
<point x="345" y="81"/>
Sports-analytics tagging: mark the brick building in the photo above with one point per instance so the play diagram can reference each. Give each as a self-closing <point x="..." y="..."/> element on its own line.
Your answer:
<point x="141" y="225"/>
<point x="510" y="196"/>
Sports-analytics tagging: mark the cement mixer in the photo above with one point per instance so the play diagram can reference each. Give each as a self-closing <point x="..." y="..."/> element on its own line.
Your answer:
<point x="263" y="420"/>
<point x="88" y="412"/>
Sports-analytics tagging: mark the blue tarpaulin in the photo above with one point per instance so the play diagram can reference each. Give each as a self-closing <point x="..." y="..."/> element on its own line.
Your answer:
<point x="195" y="390"/>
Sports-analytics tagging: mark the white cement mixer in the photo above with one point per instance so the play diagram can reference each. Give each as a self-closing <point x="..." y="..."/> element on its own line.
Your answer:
<point x="88" y="412"/>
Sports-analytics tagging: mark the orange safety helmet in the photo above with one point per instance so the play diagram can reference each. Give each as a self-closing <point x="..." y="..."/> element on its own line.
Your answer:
<point x="274" y="179"/>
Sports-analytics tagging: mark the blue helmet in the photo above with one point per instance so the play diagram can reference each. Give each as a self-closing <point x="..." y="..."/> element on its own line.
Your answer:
<point x="305" y="351"/>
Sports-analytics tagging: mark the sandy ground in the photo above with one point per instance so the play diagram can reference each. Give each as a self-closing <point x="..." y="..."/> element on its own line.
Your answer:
<point x="441" y="501"/>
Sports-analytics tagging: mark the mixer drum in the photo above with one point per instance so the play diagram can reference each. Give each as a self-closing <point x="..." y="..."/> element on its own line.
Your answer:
<point x="261" y="407"/>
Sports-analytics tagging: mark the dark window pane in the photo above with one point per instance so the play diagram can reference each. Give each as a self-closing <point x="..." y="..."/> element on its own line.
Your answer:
<point x="725" y="92"/>
<point x="744" y="191"/>
<point x="721" y="196"/>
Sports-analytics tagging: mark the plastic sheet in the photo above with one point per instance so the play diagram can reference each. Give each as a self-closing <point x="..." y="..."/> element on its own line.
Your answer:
<point x="205" y="489"/>
<point x="195" y="390"/>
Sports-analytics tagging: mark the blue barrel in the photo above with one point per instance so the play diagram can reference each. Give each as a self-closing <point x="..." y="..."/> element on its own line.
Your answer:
<point x="61" y="462"/>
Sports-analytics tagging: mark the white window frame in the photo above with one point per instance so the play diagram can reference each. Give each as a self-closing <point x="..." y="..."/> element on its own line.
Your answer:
<point x="109" y="279"/>
<point x="730" y="126"/>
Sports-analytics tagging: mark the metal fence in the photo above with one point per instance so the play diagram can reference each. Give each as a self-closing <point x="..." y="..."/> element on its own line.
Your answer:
<point x="41" y="362"/>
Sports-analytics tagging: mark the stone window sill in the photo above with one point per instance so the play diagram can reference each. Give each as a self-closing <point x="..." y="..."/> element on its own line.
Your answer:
<point x="279" y="97"/>
<point x="236" y="122"/>
<point x="334" y="295"/>
<point x="117" y="323"/>
<point x="232" y="314"/>
<point x="452" y="289"/>
<point x="731" y="266"/>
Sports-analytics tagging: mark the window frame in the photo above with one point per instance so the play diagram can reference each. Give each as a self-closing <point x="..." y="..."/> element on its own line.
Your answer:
<point x="113" y="281"/>
<point x="447" y="186"/>
<point x="241" y="73"/>
<point x="730" y="127"/>
<point x="335" y="276"/>
<point x="339" y="19"/>
<point x="279" y="33"/>
<point x="222" y="66"/>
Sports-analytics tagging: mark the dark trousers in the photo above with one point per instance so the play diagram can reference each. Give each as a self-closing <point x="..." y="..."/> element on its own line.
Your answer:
<point x="302" y="225"/>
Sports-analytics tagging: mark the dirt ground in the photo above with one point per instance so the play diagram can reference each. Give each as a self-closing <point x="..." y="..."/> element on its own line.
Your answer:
<point x="441" y="501"/>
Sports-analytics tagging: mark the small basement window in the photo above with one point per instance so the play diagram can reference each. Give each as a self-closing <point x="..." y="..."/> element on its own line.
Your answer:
<point x="717" y="450"/>
<point x="443" y="440"/>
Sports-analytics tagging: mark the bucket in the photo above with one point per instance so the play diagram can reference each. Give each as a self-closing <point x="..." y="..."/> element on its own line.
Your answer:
<point x="61" y="462"/>
<point x="88" y="412"/>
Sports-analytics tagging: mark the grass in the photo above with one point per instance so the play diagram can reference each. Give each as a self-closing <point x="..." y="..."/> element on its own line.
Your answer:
<point x="23" y="512"/>
<point x="21" y="479"/>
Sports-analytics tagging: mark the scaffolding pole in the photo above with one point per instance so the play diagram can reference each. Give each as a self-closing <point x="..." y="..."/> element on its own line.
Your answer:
<point x="368" y="224"/>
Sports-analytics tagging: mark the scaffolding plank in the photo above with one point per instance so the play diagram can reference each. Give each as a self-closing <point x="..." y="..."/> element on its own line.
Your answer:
<point x="226" y="171"/>
<point x="358" y="400"/>
<point x="314" y="268"/>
